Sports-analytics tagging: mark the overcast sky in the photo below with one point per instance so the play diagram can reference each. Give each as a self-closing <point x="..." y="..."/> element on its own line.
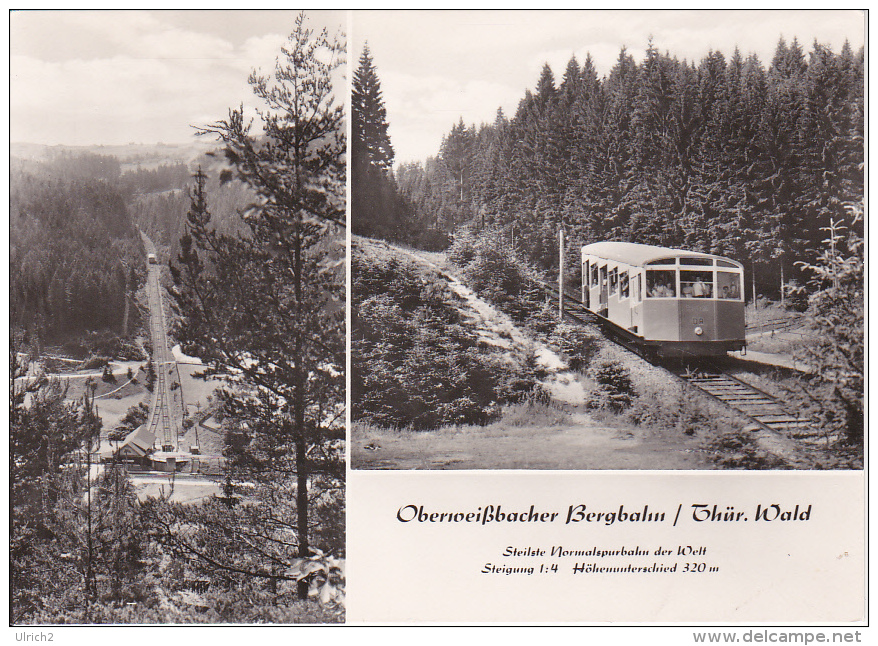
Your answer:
<point x="114" y="77"/>
<point x="435" y="67"/>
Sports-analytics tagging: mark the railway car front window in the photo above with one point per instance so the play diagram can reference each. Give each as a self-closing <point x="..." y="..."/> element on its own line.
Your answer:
<point x="728" y="285"/>
<point x="661" y="283"/>
<point x="696" y="284"/>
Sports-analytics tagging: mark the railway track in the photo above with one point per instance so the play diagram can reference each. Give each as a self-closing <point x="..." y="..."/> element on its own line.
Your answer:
<point x="161" y="422"/>
<point x="765" y="411"/>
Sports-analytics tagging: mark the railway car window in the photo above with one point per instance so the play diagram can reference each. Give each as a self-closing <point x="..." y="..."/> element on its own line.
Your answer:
<point x="614" y="279"/>
<point x="603" y="275"/>
<point x="725" y="263"/>
<point x="728" y="285"/>
<point x="637" y="288"/>
<point x="661" y="283"/>
<point x="703" y="262"/>
<point x="623" y="285"/>
<point x="594" y="275"/>
<point x="696" y="284"/>
<point x="663" y="261"/>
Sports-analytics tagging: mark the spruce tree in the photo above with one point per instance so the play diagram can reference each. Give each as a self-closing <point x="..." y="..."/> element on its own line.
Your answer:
<point x="456" y="154"/>
<point x="376" y="207"/>
<point x="369" y="116"/>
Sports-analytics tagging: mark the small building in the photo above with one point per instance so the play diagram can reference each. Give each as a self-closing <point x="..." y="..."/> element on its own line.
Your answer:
<point x="137" y="446"/>
<point x="171" y="461"/>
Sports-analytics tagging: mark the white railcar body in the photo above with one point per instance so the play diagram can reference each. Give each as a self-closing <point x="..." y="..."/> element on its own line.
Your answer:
<point x="671" y="301"/>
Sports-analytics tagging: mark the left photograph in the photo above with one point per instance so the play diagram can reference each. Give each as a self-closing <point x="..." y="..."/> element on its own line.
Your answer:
<point x="177" y="316"/>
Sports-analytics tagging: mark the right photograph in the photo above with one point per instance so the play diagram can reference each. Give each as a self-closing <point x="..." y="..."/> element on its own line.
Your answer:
<point x="607" y="240"/>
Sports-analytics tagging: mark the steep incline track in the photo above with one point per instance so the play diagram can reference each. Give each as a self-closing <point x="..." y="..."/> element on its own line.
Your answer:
<point x="766" y="411"/>
<point x="162" y="422"/>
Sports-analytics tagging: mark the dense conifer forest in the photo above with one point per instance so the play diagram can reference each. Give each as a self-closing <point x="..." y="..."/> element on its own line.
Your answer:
<point x="76" y="257"/>
<point x="75" y="254"/>
<point x="730" y="155"/>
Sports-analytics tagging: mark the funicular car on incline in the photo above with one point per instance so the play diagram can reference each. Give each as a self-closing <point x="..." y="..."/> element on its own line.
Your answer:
<point x="667" y="302"/>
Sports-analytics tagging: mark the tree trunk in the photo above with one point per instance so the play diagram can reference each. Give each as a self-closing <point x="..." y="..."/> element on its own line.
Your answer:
<point x="753" y="277"/>
<point x="299" y="412"/>
<point x="781" y="285"/>
<point x="561" y="276"/>
<point x="302" y="510"/>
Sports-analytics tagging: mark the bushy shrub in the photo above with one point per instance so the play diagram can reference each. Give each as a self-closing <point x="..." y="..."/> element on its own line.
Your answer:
<point x="615" y="390"/>
<point x="496" y="275"/>
<point x="463" y="249"/>
<point x="687" y="413"/>
<point x="835" y="315"/>
<point x="413" y="363"/>
<point x="134" y="417"/>
<point x="740" y="451"/>
<point x="579" y="345"/>
<point x="112" y="345"/>
<point x="150" y="375"/>
<point x="94" y="363"/>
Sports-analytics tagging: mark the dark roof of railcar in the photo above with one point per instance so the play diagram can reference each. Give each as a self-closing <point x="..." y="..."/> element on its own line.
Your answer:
<point x="640" y="254"/>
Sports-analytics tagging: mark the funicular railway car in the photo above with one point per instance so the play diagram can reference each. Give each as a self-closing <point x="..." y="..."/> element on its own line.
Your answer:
<point x="668" y="302"/>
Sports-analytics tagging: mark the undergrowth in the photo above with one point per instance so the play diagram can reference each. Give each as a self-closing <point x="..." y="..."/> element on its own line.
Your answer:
<point x="414" y="361"/>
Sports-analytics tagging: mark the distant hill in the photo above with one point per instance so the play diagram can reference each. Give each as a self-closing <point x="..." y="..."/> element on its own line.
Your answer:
<point x="130" y="156"/>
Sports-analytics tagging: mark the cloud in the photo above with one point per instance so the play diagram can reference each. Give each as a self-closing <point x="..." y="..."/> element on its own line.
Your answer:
<point x="437" y="66"/>
<point x="435" y="103"/>
<point x="117" y="76"/>
<point x="140" y="34"/>
<point x="117" y="100"/>
<point x="260" y="52"/>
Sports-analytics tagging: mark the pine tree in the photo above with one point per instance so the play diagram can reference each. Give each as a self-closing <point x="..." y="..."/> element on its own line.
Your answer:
<point x="57" y="568"/>
<point x="615" y="167"/>
<point x="723" y="156"/>
<point x="266" y="309"/>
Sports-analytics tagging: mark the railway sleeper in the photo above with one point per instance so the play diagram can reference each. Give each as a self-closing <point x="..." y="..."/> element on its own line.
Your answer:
<point x="752" y="401"/>
<point x="804" y="430"/>
<point x="728" y="385"/>
<point x="756" y="406"/>
<point x="762" y="412"/>
<point x="774" y="421"/>
<point x="741" y="394"/>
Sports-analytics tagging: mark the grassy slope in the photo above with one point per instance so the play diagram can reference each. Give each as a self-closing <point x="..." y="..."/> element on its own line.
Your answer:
<point x="562" y="435"/>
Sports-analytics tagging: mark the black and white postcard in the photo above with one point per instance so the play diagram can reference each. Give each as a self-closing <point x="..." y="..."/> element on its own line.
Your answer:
<point x="434" y="317"/>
